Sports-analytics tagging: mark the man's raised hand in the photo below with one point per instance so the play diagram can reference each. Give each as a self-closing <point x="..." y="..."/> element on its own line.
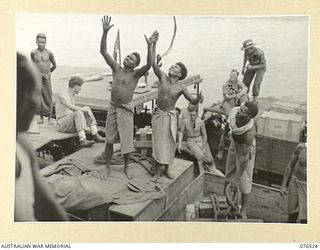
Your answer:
<point x="153" y="38"/>
<point x="106" y="23"/>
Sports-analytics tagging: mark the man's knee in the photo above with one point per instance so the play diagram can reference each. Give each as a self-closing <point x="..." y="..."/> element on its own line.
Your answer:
<point x="87" y="108"/>
<point x="79" y="117"/>
<point x="79" y="113"/>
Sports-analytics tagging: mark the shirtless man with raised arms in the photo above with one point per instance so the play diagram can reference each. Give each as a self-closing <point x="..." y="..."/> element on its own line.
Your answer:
<point x="119" y="124"/>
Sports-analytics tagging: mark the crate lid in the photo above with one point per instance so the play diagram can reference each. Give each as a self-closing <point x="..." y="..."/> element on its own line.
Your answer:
<point x="281" y="116"/>
<point x="285" y="104"/>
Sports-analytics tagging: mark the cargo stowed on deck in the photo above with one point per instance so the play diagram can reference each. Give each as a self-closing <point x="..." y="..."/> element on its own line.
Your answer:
<point x="265" y="203"/>
<point x="279" y="125"/>
<point x="177" y="191"/>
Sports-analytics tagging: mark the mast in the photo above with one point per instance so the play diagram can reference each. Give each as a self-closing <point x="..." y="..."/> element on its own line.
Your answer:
<point x="117" y="49"/>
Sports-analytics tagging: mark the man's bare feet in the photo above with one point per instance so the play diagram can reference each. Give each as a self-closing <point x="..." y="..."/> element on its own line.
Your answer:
<point x="166" y="172"/>
<point x="243" y="212"/>
<point x="107" y="172"/>
<point x="126" y="172"/>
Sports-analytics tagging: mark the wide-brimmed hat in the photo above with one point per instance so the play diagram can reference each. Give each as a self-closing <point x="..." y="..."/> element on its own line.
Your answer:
<point x="247" y="44"/>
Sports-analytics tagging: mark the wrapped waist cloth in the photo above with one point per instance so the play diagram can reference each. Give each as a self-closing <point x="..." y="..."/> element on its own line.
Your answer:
<point x="297" y="199"/>
<point x="164" y="131"/>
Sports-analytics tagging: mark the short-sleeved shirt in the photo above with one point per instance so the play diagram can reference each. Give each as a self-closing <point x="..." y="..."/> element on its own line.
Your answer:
<point x="231" y="87"/>
<point x="256" y="57"/>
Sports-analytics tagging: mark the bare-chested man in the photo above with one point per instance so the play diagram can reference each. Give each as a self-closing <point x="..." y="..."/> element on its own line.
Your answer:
<point x="196" y="142"/>
<point x="295" y="182"/>
<point x="164" y="124"/>
<point x="119" y="124"/>
<point x="241" y="154"/>
<point x="45" y="62"/>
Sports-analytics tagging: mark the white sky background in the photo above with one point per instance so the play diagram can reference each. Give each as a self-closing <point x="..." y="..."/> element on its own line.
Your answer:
<point x="208" y="45"/>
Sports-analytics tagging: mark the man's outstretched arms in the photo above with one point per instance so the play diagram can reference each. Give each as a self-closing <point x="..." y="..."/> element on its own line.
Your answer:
<point x="106" y="26"/>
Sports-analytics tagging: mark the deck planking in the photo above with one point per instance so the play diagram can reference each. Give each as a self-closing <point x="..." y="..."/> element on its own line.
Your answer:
<point x="48" y="133"/>
<point x="145" y="211"/>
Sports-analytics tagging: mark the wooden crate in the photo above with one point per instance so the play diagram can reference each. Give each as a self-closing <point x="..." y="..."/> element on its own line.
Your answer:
<point x="273" y="155"/>
<point x="280" y="125"/>
<point x="290" y="107"/>
<point x="143" y="141"/>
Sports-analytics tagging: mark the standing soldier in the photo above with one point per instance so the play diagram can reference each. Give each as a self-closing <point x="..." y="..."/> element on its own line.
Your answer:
<point x="255" y="69"/>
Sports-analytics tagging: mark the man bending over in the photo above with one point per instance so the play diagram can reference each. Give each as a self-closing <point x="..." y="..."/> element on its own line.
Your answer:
<point x="73" y="118"/>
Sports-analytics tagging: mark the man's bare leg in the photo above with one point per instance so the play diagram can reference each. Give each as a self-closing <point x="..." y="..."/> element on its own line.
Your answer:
<point x="126" y="164"/>
<point x="40" y="121"/>
<point x="221" y="148"/>
<point x="157" y="170"/>
<point x="244" y="203"/>
<point x="202" y="167"/>
<point x="108" y="153"/>
<point x="165" y="168"/>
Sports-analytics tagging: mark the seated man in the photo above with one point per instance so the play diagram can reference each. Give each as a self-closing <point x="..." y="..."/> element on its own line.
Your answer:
<point x="72" y="118"/>
<point x="234" y="93"/>
<point x="185" y="113"/>
<point x="196" y="141"/>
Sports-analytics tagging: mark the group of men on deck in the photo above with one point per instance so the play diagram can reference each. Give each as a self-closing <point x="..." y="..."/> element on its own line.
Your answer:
<point x="119" y="125"/>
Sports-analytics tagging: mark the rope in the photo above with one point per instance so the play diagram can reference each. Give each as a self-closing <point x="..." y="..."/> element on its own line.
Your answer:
<point x="172" y="39"/>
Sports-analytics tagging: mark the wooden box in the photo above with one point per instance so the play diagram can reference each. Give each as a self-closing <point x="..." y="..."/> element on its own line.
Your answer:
<point x="273" y="155"/>
<point x="143" y="141"/>
<point x="290" y="107"/>
<point x="280" y="125"/>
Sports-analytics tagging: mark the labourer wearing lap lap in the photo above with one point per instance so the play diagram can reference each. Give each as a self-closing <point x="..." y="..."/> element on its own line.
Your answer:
<point x="241" y="153"/>
<point x="164" y="120"/>
<point x="119" y="124"/>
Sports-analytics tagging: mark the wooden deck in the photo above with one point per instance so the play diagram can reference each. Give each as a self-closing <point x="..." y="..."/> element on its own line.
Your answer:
<point x="265" y="202"/>
<point x="143" y="211"/>
<point x="48" y="133"/>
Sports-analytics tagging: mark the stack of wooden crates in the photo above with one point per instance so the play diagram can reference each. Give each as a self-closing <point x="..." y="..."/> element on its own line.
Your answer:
<point x="284" y="121"/>
<point x="143" y="141"/>
<point x="278" y="134"/>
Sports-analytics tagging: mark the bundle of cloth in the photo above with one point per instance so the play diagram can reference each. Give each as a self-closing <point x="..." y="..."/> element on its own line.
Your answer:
<point x="78" y="188"/>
